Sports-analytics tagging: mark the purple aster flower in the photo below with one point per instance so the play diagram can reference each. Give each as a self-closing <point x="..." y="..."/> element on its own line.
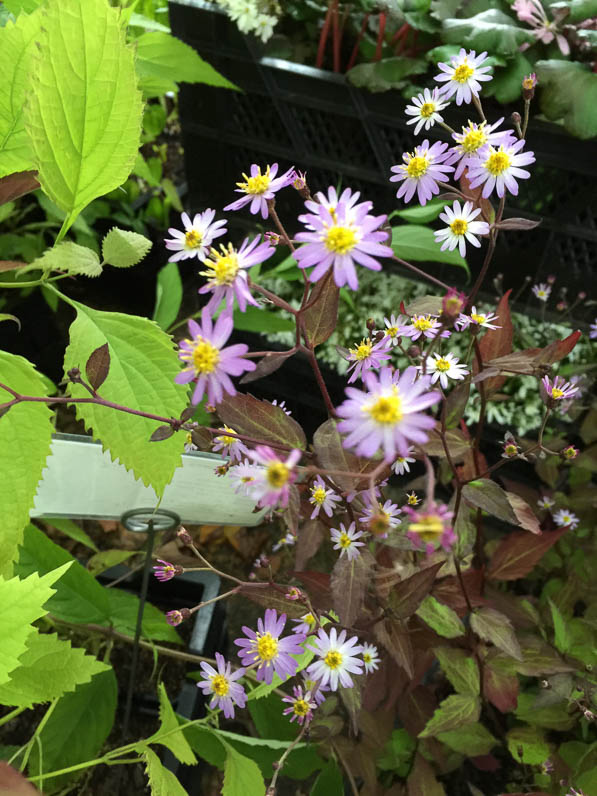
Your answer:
<point x="558" y="389"/>
<point x="258" y="188"/>
<point x="541" y="291"/>
<point x="197" y="237"/>
<point x="301" y="704"/>
<point x="421" y="171"/>
<point x="166" y="571"/>
<point x="315" y="688"/>
<point x="402" y="463"/>
<point x="207" y="362"/>
<point x="388" y="415"/>
<point x="347" y="198"/>
<point x="220" y="683"/>
<point x="462" y="76"/>
<point x="346" y="540"/>
<point x="322" y="498"/>
<point x="340" y="237"/>
<point x="337" y="659"/>
<point x="431" y="526"/>
<point x="243" y="476"/>
<point x="391" y="329"/>
<point x="474" y="137"/>
<point x="423" y="326"/>
<point x="272" y="484"/>
<point x="478" y="318"/>
<point x="367" y="355"/>
<point x="305" y="624"/>
<point x="498" y="168"/>
<point x="266" y="649"/>
<point x="227" y="273"/>
<point x="461" y="227"/>
<point x="232" y="447"/>
<point x="380" y="519"/>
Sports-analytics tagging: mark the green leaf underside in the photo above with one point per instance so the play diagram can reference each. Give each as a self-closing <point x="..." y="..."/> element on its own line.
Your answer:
<point x="77" y="728"/>
<point x="17" y="46"/>
<point x="161" y="780"/>
<point x="25" y="435"/>
<point x="49" y="668"/>
<point x="72" y="530"/>
<point x="123" y="248"/>
<point x="69" y="258"/>
<point x="440" y="617"/>
<point x="143" y="365"/>
<point x="23" y="601"/>
<point x="84" y="110"/>
<point x="414" y="242"/>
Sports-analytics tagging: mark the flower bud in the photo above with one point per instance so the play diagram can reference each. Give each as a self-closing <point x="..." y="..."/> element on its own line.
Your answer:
<point x="453" y="304"/>
<point x="74" y="374"/>
<point x="299" y="182"/>
<point x="569" y="453"/>
<point x="371" y="324"/>
<point x="550" y="279"/>
<point x="294" y="594"/>
<point x="516" y="119"/>
<point x="184" y="536"/>
<point x="528" y="86"/>
<point x="176" y="617"/>
<point x="272" y="237"/>
<point x="561" y="306"/>
<point x="582" y="295"/>
<point x="413" y="351"/>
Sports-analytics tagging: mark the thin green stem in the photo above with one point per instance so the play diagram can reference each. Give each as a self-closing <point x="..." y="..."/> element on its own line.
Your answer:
<point x="12" y="715"/>
<point x="34" y="283"/>
<point x="36" y="734"/>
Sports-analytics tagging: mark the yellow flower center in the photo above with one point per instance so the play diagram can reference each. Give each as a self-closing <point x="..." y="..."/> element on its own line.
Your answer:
<point x="417" y="166"/>
<point x="459" y="226"/>
<point x="300" y="707"/>
<point x="267" y="647"/>
<point x="542" y="293"/>
<point x="442" y="364"/>
<point x="333" y="659"/>
<point x="379" y="524"/>
<point x="256" y="185"/>
<point x="528" y="83"/>
<point x="225" y="440"/>
<point x="319" y="494"/>
<point x="189" y="438"/>
<point x="277" y="474"/>
<point x="412" y="499"/>
<point x="392" y="331"/>
<point x="478" y="318"/>
<point x="473" y="139"/>
<point x="423" y="324"/>
<point x="427" y="109"/>
<point x="340" y="240"/>
<point x="205" y="357"/>
<point x="428" y="527"/>
<point x="363" y="350"/>
<point x="367" y="657"/>
<point x="510" y="450"/>
<point x="344" y="541"/>
<point x="309" y="619"/>
<point x="557" y="393"/>
<point x="463" y="73"/>
<point x="224" y="268"/>
<point x="387" y="409"/>
<point x="192" y="239"/>
<point x="497" y="163"/>
<point x="220" y="685"/>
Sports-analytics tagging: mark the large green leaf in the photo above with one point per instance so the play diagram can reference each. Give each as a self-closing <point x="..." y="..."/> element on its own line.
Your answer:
<point x="163" y="61"/>
<point x="414" y="242"/>
<point x="470" y="740"/>
<point x="241" y="775"/>
<point x="143" y="365"/>
<point x="76" y="729"/>
<point x="168" y="295"/>
<point x="17" y="45"/>
<point x="443" y="619"/>
<point x="25" y="434"/>
<point x="506" y="85"/>
<point x="123" y="608"/>
<point x="49" y="668"/>
<point x="176" y="741"/>
<point x="569" y="93"/>
<point x="84" y="111"/>
<point x="161" y="780"/>
<point x="456" y="711"/>
<point x="491" y="30"/>
<point x="22" y="603"/>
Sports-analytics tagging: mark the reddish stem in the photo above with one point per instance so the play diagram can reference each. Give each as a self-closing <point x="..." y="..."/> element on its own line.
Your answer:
<point x="323" y="38"/>
<point x="380" y="36"/>
<point x="400" y="33"/>
<point x="355" y="49"/>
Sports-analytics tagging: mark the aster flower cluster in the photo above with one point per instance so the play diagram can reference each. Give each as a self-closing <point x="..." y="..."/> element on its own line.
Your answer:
<point x="250" y="17"/>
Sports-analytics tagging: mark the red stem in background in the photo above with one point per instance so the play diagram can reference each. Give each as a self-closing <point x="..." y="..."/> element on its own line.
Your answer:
<point x="355" y="49"/>
<point x="323" y="38"/>
<point x="400" y="33"/>
<point x="380" y="36"/>
<point x="336" y="38"/>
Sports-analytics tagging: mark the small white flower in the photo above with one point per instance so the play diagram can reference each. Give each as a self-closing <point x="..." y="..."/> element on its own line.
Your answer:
<point x="474" y="137"/>
<point x="564" y="517"/>
<point x="370" y="657"/>
<point x="546" y="502"/>
<point x="464" y="321"/>
<point x="197" y="237"/>
<point x="322" y="498"/>
<point x="444" y="367"/>
<point x="593" y="330"/>
<point x="381" y="519"/>
<point x="423" y="325"/>
<point x="425" y="109"/>
<point x="337" y="659"/>
<point x="461" y="227"/>
<point x="229" y="446"/>
<point x="541" y="291"/>
<point x="392" y="329"/>
<point x="498" y="168"/>
<point x="402" y="463"/>
<point x="462" y="75"/>
<point x="346" y="540"/>
<point x="244" y="476"/>
<point x="285" y="541"/>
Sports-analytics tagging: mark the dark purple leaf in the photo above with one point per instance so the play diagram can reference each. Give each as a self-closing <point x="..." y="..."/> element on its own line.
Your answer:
<point x="517" y="223"/>
<point x="97" y="366"/>
<point x="261" y="419"/>
<point x="161" y="433"/>
<point x="268" y="364"/>
<point x="319" y="321"/>
<point x="14" y="185"/>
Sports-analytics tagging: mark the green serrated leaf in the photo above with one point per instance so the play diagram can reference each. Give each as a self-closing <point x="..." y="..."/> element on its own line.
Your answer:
<point x="456" y="711"/>
<point x="77" y="728"/>
<point x="23" y="601"/>
<point x="17" y="46"/>
<point x="25" y="434"/>
<point x="168" y="296"/>
<point x="176" y="741"/>
<point x="460" y="668"/>
<point x="241" y="775"/>
<point x="528" y="744"/>
<point x="563" y="639"/>
<point x="506" y="85"/>
<point x="84" y="111"/>
<point x="569" y="92"/>
<point x="48" y="668"/>
<point x="440" y="617"/>
<point x="491" y="30"/>
<point x="106" y="559"/>
<point x="143" y="365"/>
<point x="163" y="61"/>
<point x="72" y="530"/>
<point x="414" y="242"/>
<point x="122" y="248"/>
<point x="491" y="625"/>
<point x="470" y="740"/>
<point x="69" y="258"/>
<point x="161" y="780"/>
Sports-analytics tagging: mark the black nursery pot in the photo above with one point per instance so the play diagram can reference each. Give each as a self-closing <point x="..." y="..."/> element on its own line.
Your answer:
<point x="319" y="122"/>
<point x="208" y="636"/>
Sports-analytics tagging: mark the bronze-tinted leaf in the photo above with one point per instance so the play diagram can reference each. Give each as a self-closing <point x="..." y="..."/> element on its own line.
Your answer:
<point x="261" y="419"/>
<point x="425" y="305"/>
<point x="456" y="403"/>
<point x="269" y="596"/>
<point x="406" y="596"/>
<point x="525" y="515"/>
<point x="13" y="783"/>
<point x="497" y="343"/>
<point x="161" y="433"/>
<point x="416" y="707"/>
<point x="11" y="265"/>
<point x="491" y="625"/>
<point x="457" y="444"/>
<point x="319" y="320"/>
<point x="449" y="591"/>
<point x="487" y="495"/>
<point x="393" y="635"/>
<point x="349" y="583"/>
<point x="266" y="365"/>
<point x="500" y="688"/>
<point x="519" y="552"/>
<point x="517" y="223"/>
<point x="309" y="539"/>
<point x="317" y="585"/>
<point x="421" y="780"/>
<point x="291" y="513"/>
<point x="14" y="185"/>
<point x="327" y="443"/>
<point x="97" y="366"/>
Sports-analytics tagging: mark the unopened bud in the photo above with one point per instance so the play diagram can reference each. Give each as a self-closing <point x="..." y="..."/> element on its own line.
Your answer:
<point x="176" y="617"/>
<point x="453" y="304"/>
<point x="569" y="453"/>
<point x="516" y="119"/>
<point x="528" y="86"/>
<point x="561" y="306"/>
<point x="210" y="408"/>
<point x="588" y="714"/>
<point x="371" y="325"/>
<point x="550" y="279"/>
<point x="74" y="374"/>
<point x="413" y="351"/>
<point x="272" y="238"/>
<point x="184" y="536"/>
<point x="582" y="295"/>
<point x="299" y="182"/>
